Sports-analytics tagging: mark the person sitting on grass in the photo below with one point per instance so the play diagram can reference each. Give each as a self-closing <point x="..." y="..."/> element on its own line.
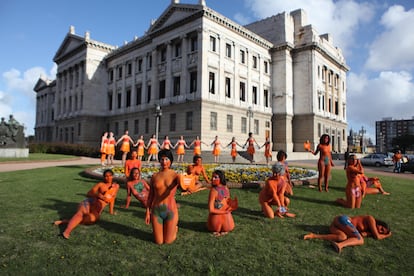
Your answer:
<point x="220" y="205"/>
<point x="353" y="190"/>
<point x="189" y="183"/>
<point x="134" y="162"/>
<point x="273" y="193"/>
<point x="90" y="210"/>
<point x="350" y="231"/>
<point x="137" y="187"/>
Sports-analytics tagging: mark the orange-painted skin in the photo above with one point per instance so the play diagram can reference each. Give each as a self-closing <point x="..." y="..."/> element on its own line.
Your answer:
<point x="140" y="144"/>
<point x="233" y="143"/>
<point x="268" y="150"/>
<point x="162" y="209"/>
<point x="134" y="162"/>
<point x="104" y="147"/>
<point x="137" y="187"/>
<point x="166" y="144"/>
<point x="181" y="145"/>
<point x="281" y="157"/>
<point x="220" y="205"/>
<point x="197" y="145"/>
<point x="350" y="231"/>
<point x="194" y="170"/>
<point x="325" y="162"/>
<point x="250" y="146"/>
<point x="216" y="149"/>
<point x="353" y="190"/>
<point x="89" y="210"/>
<point x="111" y="149"/>
<point x="152" y="147"/>
<point x="125" y="146"/>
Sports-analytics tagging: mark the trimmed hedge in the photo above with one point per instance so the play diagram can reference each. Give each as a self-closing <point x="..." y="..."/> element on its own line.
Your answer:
<point x="63" y="148"/>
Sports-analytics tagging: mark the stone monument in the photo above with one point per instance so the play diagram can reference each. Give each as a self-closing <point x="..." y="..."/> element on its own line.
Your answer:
<point x="12" y="142"/>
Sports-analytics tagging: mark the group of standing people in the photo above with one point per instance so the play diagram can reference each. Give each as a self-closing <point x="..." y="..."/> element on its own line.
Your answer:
<point x="109" y="144"/>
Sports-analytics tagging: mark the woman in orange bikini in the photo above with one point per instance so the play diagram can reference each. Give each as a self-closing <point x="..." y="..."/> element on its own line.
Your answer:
<point x="233" y="151"/>
<point x="197" y="145"/>
<point x="250" y="146"/>
<point x="90" y="209"/>
<point x="268" y="150"/>
<point x="138" y="187"/>
<point x="104" y="147"/>
<point x="140" y="144"/>
<point x="351" y="231"/>
<point x="220" y="205"/>
<point x="216" y="149"/>
<point x="125" y="146"/>
<point x="111" y="148"/>
<point x="134" y="162"/>
<point x="162" y="209"/>
<point x="181" y="145"/>
<point x="325" y="162"/>
<point x="152" y="147"/>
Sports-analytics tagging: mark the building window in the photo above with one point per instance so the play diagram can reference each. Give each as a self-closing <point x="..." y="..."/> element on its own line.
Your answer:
<point x="138" y="100"/>
<point x="139" y="65"/>
<point x="125" y="125"/>
<point x="176" y="84"/>
<point x="163" y="54"/>
<point x="120" y="72"/>
<point x="254" y="95"/>
<point x="129" y="69"/>
<point x="242" y="56"/>
<point x="228" y="88"/>
<point x="136" y="126"/>
<point x="162" y="89"/>
<point x="193" y="82"/>
<point x="266" y="67"/>
<point x="242" y="91"/>
<point x="111" y="75"/>
<point x="148" y="93"/>
<point x="254" y="62"/>
<point x="266" y="97"/>
<point x="243" y="125"/>
<point x="193" y="44"/>
<point x="211" y="83"/>
<point x="128" y="98"/>
<point x="213" y="120"/>
<point x="256" y="127"/>
<point x="119" y="100"/>
<point x="149" y="61"/>
<point x="177" y="49"/>
<point x="173" y="121"/>
<point x="79" y="129"/>
<point x="212" y="43"/>
<point x="116" y="128"/>
<point x="228" y="50"/>
<point x="189" y="120"/>
<point x="229" y="123"/>
<point x="146" y="125"/>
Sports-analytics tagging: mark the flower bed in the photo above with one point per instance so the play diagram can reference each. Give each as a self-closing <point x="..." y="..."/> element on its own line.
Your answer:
<point x="237" y="175"/>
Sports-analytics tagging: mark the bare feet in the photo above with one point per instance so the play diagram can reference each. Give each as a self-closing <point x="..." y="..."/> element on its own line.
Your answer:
<point x="386" y="193"/>
<point x="308" y="236"/>
<point x="336" y="247"/>
<point x="59" y="222"/>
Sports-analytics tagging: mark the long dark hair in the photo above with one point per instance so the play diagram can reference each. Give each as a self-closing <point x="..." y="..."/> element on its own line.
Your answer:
<point x="383" y="224"/>
<point x="322" y="139"/>
<point x="221" y="175"/>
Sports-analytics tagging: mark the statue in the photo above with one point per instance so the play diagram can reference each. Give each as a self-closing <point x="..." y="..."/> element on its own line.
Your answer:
<point x="11" y="133"/>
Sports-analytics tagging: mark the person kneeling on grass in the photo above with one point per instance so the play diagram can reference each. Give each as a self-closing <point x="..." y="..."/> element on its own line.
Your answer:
<point x="90" y="209"/>
<point x="350" y="231"/>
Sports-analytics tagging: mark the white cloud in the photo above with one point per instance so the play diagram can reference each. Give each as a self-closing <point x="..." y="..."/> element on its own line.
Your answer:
<point x="388" y="95"/>
<point x="341" y="18"/>
<point x="394" y="47"/>
<point x="18" y="97"/>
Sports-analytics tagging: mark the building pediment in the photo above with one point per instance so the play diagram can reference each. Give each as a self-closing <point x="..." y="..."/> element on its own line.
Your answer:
<point x="174" y="13"/>
<point x="42" y="83"/>
<point x="70" y="43"/>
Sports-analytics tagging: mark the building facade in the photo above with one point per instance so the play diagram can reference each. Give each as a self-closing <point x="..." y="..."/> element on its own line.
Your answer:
<point x="387" y="129"/>
<point x="209" y="75"/>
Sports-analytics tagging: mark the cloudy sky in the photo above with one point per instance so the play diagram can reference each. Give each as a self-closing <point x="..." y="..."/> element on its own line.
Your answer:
<point x="375" y="37"/>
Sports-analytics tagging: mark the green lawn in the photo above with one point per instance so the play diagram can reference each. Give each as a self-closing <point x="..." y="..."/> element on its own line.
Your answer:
<point x="38" y="157"/>
<point x="122" y="244"/>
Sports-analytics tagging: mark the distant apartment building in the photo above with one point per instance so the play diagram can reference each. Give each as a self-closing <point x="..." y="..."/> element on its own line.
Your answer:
<point x="210" y="76"/>
<point x="387" y="129"/>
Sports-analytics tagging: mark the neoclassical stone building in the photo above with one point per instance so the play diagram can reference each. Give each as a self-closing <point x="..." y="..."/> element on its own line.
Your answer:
<point x="196" y="72"/>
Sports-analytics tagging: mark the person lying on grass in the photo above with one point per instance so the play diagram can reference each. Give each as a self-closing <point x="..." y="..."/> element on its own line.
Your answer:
<point x="273" y="194"/>
<point x="350" y="231"/>
<point x="90" y="209"/>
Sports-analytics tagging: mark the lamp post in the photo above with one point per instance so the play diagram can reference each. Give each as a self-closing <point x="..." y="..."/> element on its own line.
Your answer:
<point x="250" y="116"/>
<point x="157" y="114"/>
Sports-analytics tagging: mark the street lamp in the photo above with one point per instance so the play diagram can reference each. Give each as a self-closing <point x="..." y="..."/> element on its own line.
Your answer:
<point x="157" y="114"/>
<point x="250" y="115"/>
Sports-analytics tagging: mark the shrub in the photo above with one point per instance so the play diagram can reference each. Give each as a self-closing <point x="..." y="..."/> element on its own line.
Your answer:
<point x="64" y="148"/>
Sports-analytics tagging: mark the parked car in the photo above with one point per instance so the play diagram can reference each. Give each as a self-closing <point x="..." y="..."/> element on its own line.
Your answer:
<point x="377" y="159"/>
<point x="408" y="166"/>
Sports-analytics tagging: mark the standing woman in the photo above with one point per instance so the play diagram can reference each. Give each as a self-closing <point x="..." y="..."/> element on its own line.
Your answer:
<point x="104" y="147"/>
<point x="197" y="145"/>
<point x="216" y="149"/>
<point x="153" y="148"/>
<point x="250" y="146"/>
<point x="125" y="146"/>
<point x="325" y="162"/>
<point x="268" y="151"/>
<point x="181" y="143"/>
<point x="111" y="148"/>
<point x="220" y="205"/>
<point x="233" y="151"/>
<point x="141" y="147"/>
<point x="166" y="144"/>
